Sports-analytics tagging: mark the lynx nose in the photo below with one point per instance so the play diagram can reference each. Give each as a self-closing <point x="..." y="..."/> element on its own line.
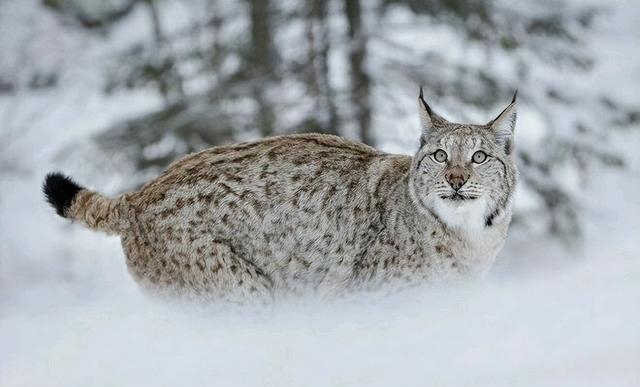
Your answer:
<point x="457" y="179"/>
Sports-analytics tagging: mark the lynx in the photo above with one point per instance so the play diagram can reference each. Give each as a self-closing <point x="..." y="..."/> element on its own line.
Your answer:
<point x="312" y="212"/>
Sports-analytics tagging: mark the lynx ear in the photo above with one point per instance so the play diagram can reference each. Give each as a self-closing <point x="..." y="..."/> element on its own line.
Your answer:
<point x="429" y="120"/>
<point x="504" y="125"/>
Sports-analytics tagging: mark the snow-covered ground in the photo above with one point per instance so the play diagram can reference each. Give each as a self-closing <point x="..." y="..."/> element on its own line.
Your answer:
<point x="546" y="316"/>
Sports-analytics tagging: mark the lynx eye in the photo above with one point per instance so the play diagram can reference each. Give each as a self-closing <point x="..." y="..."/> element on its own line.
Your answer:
<point x="439" y="156"/>
<point x="479" y="157"/>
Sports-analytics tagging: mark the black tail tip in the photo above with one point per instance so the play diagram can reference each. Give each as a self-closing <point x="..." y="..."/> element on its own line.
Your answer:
<point x="59" y="190"/>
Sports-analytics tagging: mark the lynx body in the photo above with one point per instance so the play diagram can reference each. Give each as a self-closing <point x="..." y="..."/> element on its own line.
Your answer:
<point x="312" y="212"/>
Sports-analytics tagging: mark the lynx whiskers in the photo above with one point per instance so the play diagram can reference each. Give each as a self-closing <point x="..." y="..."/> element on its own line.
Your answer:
<point x="312" y="212"/>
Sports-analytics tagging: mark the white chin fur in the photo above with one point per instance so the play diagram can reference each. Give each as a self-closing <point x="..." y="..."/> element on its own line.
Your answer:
<point x="464" y="215"/>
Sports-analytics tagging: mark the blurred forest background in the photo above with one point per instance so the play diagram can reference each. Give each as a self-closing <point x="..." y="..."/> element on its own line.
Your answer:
<point x="223" y="71"/>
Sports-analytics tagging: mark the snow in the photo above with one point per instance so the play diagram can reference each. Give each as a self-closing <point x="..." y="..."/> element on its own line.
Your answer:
<point x="70" y="315"/>
<point x="574" y="327"/>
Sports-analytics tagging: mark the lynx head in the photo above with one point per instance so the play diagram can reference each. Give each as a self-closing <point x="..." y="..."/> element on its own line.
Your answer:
<point x="464" y="174"/>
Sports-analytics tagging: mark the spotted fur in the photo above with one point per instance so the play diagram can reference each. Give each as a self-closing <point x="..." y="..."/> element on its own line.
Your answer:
<point x="313" y="212"/>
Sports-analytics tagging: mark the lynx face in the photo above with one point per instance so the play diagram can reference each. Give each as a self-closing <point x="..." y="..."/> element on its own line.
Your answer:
<point x="464" y="174"/>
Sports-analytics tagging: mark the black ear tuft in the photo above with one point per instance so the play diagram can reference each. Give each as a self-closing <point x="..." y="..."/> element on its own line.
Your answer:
<point x="59" y="190"/>
<point x="424" y="103"/>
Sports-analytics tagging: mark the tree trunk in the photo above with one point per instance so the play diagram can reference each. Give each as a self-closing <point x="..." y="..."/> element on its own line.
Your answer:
<point x="319" y="83"/>
<point x="261" y="62"/>
<point x="360" y="82"/>
<point x="216" y="22"/>
<point x="168" y="80"/>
